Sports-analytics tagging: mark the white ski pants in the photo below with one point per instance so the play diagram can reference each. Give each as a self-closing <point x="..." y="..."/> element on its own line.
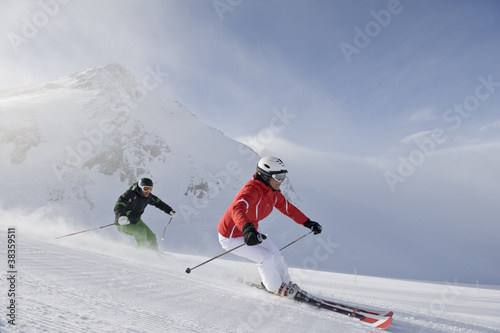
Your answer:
<point x="270" y="262"/>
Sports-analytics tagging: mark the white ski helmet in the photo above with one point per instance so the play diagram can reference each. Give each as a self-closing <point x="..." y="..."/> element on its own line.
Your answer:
<point x="271" y="167"/>
<point x="145" y="184"/>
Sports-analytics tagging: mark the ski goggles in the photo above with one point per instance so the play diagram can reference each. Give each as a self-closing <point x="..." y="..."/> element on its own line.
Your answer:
<point x="146" y="188"/>
<point x="279" y="177"/>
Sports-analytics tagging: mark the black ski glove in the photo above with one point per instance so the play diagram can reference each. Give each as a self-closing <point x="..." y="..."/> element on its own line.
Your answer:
<point x="314" y="226"/>
<point x="251" y="236"/>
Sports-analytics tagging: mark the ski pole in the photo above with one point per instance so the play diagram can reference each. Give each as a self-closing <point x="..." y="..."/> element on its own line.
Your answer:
<point x="162" y="237"/>
<point x="79" y="232"/>
<point x="296" y="240"/>
<point x="188" y="270"/>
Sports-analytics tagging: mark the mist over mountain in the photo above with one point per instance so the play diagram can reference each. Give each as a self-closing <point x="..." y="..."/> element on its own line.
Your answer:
<point x="76" y="143"/>
<point x="71" y="146"/>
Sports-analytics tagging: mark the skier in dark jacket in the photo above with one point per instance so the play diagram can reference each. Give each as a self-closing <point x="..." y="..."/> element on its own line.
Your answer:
<point x="129" y="208"/>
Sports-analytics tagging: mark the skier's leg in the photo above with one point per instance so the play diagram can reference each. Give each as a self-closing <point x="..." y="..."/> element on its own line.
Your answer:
<point x="145" y="238"/>
<point x="265" y="259"/>
<point x="135" y="230"/>
<point x="126" y="229"/>
<point x="280" y="263"/>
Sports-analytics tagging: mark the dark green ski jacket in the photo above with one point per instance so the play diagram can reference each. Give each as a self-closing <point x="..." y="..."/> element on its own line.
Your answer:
<point x="132" y="204"/>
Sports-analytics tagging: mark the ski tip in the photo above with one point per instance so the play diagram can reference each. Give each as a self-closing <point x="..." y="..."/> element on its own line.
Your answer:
<point x="378" y="321"/>
<point x="389" y="314"/>
<point x="385" y="324"/>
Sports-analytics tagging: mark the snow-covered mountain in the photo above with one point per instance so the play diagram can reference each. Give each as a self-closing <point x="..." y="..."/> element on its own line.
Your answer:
<point x="101" y="122"/>
<point x="76" y="143"/>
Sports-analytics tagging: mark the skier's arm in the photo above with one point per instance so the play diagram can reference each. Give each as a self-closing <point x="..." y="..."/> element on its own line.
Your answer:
<point x="120" y="207"/>
<point x="155" y="201"/>
<point x="293" y="212"/>
<point x="245" y="206"/>
<point x="288" y="209"/>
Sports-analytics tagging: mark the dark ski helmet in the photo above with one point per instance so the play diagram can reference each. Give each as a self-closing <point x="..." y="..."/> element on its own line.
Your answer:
<point x="145" y="184"/>
<point x="271" y="167"/>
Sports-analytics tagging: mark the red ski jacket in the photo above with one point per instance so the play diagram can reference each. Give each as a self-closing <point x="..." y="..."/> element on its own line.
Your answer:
<point x="254" y="202"/>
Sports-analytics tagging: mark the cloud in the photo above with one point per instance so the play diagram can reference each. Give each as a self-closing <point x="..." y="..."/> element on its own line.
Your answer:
<point x="488" y="127"/>
<point x="467" y="174"/>
<point x="426" y="114"/>
<point x="415" y="136"/>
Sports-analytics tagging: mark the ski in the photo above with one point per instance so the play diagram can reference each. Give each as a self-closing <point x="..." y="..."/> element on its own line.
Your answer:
<point x="348" y="307"/>
<point x="370" y="312"/>
<point x="378" y="321"/>
<point x="369" y="317"/>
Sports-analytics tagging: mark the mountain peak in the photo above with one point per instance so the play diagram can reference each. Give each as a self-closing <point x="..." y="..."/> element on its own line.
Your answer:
<point x="107" y="78"/>
<point x="95" y="132"/>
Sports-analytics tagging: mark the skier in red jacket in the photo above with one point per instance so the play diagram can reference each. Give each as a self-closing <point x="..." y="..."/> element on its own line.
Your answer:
<point x="240" y="224"/>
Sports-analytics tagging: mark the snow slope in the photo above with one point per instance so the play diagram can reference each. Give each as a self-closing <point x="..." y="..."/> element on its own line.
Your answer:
<point x="89" y="283"/>
<point x="70" y="147"/>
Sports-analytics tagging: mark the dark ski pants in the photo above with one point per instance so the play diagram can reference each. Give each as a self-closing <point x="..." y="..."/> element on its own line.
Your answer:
<point x="144" y="237"/>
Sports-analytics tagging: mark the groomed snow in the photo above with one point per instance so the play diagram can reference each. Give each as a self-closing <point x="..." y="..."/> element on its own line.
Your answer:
<point x="89" y="283"/>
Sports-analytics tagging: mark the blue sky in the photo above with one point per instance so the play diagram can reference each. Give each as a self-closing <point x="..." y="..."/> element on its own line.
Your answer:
<point x="407" y="124"/>
<point x="233" y="62"/>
